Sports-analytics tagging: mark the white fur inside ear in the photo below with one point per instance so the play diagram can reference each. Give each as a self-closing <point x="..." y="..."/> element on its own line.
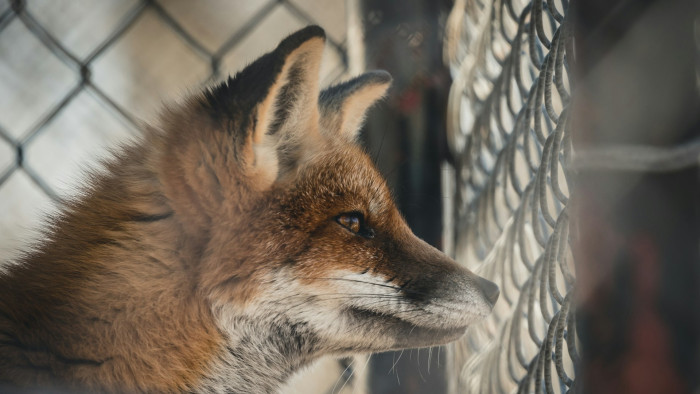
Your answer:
<point x="344" y="106"/>
<point x="289" y="113"/>
<point x="356" y="106"/>
<point x="266" y="165"/>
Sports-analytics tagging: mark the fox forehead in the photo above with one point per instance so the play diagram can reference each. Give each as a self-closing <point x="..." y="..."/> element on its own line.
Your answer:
<point x="342" y="179"/>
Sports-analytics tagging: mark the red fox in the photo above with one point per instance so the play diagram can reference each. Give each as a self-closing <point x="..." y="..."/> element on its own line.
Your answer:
<point x="242" y="238"/>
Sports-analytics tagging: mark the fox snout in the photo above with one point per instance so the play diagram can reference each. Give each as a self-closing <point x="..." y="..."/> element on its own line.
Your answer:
<point x="490" y="290"/>
<point x="461" y="297"/>
<point x="450" y="298"/>
<point x="412" y="295"/>
<point x="446" y="290"/>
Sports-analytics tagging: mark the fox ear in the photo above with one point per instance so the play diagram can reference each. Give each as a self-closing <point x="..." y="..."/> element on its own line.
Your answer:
<point x="343" y="106"/>
<point x="289" y="110"/>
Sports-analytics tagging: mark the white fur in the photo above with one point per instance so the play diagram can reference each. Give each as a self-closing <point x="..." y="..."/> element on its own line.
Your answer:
<point x="264" y="368"/>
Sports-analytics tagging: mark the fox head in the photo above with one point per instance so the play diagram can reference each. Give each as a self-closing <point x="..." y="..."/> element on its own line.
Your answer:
<point x="300" y="236"/>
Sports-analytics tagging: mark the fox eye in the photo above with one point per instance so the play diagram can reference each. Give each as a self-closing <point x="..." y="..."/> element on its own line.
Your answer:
<point x="355" y="223"/>
<point x="351" y="221"/>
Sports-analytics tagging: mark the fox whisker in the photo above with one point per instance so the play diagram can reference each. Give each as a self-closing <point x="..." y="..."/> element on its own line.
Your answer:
<point x="393" y="287"/>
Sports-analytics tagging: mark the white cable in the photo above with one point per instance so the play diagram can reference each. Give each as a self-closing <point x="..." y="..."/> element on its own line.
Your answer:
<point x="638" y="158"/>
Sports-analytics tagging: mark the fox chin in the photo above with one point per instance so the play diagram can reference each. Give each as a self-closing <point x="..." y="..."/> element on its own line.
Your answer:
<point x="245" y="235"/>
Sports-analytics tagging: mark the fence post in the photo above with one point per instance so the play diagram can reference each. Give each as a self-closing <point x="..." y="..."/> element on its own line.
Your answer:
<point x="636" y="123"/>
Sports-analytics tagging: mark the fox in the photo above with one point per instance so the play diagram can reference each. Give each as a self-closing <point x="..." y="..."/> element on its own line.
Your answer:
<point x="244" y="236"/>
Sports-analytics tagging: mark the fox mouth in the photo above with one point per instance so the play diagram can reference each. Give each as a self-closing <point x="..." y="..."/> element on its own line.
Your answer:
<point x="406" y="334"/>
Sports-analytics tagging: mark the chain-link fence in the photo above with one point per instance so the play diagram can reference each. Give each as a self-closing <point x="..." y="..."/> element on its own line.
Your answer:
<point x="507" y="130"/>
<point x="77" y="77"/>
<point x="109" y="64"/>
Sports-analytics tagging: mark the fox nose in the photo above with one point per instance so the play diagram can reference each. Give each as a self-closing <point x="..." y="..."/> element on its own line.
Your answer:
<point x="490" y="290"/>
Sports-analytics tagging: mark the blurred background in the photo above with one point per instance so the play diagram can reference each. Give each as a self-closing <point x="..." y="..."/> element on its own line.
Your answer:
<point x="490" y="154"/>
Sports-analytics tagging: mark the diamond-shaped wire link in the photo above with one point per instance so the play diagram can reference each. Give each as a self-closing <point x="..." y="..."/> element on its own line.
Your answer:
<point x="84" y="58"/>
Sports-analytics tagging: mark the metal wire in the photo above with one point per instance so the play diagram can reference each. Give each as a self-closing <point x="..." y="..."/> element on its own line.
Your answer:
<point x="509" y="136"/>
<point x="18" y="10"/>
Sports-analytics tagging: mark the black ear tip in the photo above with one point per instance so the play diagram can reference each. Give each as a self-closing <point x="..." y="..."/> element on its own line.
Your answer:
<point x="312" y="31"/>
<point x="374" y="77"/>
<point x="378" y="77"/>
<point x="296" y="39"/>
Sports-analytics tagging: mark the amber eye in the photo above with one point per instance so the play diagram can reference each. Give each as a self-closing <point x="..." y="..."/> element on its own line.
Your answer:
<point x="351" y="221"/>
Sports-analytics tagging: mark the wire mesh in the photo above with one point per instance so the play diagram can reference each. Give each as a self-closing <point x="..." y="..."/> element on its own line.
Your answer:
<point x="509" y="136"/>
<point x="52" y="69"/>
<point x="18" y="9"/>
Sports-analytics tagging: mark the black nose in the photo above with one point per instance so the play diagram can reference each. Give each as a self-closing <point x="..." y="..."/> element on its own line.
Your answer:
<point x="490" y="290"/>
